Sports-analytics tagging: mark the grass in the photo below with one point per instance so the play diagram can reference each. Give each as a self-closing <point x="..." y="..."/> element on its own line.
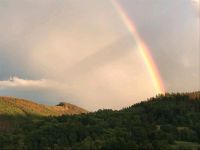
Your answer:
<point x="8" y="108"/>
<point x="14" y="106"/>
<point x="186" y="145"/>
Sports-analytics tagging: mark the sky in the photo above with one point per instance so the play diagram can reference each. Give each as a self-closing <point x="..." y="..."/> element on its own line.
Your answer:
<point x="81" y="52"/>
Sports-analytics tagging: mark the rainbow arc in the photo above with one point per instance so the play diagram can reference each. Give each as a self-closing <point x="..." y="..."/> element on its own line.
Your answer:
<point x="143" y="49"/>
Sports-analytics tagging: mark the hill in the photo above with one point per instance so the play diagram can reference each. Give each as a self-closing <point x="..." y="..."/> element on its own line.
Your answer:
<point x="164" y="122"/>
<point x="16" y="106"/>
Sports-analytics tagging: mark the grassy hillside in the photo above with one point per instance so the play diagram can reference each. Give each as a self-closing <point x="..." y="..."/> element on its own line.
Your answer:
<point x="165" y="122"/>
<point x="15" y="106"/>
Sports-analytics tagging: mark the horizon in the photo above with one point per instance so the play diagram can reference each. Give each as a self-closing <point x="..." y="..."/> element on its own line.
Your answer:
<point x="72" y="51"/>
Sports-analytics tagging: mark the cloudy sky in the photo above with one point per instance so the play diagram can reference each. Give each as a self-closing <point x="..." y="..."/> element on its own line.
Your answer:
<point x="81" y="52"/>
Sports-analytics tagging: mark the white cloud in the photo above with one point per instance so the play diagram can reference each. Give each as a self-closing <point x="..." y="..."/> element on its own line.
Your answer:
<point x="19" y="82"/>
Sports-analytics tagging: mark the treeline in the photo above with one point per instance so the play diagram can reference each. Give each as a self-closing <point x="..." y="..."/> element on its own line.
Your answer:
<point x="166" y="122"/>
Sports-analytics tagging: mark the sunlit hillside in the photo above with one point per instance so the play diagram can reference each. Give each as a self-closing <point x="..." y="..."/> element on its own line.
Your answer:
<point x="15" y="106"/>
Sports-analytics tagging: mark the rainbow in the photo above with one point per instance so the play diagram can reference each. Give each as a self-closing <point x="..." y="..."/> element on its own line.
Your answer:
<point x="143" y="49"/>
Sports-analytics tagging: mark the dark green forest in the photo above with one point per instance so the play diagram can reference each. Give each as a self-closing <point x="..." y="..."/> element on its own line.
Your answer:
<point x="165" y="122"/>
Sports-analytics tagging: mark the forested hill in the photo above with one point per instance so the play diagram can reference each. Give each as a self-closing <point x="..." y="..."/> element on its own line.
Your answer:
<point x="165" y="122"/>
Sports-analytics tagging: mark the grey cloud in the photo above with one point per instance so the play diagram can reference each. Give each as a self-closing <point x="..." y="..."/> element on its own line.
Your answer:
<point x="117" y="49"/>
<point x="170" y="28"/>
<point x="81" y="47"/>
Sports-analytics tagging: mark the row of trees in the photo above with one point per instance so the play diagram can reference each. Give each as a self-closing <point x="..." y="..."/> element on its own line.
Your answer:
<point x="152" y="125"/>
